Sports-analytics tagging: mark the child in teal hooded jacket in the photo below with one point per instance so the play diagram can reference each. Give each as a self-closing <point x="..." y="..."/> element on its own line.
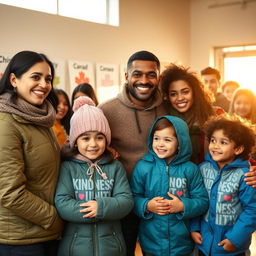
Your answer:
<point x="168" y="190"/>
<point x="93" y="192"/>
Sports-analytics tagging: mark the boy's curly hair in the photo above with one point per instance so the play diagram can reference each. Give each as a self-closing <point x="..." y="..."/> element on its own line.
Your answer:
<point x="240" y="131"/>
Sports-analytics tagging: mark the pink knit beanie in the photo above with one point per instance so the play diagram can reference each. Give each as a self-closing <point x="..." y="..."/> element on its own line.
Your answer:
<point x="87" y="118"/>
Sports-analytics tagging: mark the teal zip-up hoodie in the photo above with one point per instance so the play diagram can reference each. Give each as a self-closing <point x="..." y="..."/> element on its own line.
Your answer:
<point x="168" y="235"/>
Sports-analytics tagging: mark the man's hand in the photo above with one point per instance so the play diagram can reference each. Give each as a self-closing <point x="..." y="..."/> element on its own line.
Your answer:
<point x="196" y="236"/>
<point x="251" y="177"/>
<point x="227" y="245"/>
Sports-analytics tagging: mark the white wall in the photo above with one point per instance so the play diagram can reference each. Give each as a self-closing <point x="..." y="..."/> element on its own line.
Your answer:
<point x="159" y="26"/>
<point x="175" y="30"/>
<point x="217" y="27"/>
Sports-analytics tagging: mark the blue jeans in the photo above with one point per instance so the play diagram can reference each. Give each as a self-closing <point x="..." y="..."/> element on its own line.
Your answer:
<point x="49" y="248"/>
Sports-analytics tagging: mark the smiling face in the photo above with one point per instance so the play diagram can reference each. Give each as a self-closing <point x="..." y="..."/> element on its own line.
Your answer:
<point x="35" y="84"/>
<point x="222" y="149"/>
<point x="91" y="144"/>
<point x="181" y="96"/>
<point x="142" y="81"/>
<point x="229" y="90"/>
<point x="242" y="106"/>
<point x="165" y="143"/>
<point x="62" y="108"/>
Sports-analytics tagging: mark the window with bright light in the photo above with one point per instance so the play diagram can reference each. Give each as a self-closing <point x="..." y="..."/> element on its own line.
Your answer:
<point x="242" y="70"/>
<point x="48" y="6"/>
<point x="99" y="11"/>
<point x="238" y="64"/>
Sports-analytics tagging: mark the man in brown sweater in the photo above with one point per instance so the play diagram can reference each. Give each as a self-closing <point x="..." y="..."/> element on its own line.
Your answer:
<point x="130" y="115"/>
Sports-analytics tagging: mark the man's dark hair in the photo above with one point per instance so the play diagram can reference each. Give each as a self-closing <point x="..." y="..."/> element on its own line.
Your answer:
<point x="143" y="55"/>
<point x="211" y="71"/>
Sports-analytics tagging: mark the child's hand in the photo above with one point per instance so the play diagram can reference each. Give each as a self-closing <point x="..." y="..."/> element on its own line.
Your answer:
<point x="158" y="205"/>
<point x="196" y="236"/>
<point x="91" y="208"/>
<point x="227" y="245"/>
<point x="175" y="205"/>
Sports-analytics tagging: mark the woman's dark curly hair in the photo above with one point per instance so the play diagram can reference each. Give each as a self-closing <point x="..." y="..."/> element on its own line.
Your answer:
<point x="202" y="103"/>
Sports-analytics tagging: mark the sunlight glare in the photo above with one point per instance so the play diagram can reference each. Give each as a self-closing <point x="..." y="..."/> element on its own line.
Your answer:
<point x="241" y="70"/>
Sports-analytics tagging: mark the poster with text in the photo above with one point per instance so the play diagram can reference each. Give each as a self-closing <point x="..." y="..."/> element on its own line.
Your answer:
<point x="60" y="78"/>
<point x="107" y="81"/>
<point x="4" y="60"/>
<point x="80" y="72"/>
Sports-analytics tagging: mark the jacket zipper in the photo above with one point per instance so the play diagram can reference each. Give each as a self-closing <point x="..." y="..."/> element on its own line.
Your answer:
<point x="95" y="240"/>
<point x="117" y="239"/>
<point x="219" y="174"/>
<point x="72" y="244"/>
<point x="168" y="174"/>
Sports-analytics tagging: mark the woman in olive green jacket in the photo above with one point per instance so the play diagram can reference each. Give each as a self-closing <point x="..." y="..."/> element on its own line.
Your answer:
<point x="29" y="158"/>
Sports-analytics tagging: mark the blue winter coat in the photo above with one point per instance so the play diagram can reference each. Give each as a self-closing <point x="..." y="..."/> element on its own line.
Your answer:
<point x="232" y="211"/>
<point x="102" y="235"/>
<point x="169" y="234"/>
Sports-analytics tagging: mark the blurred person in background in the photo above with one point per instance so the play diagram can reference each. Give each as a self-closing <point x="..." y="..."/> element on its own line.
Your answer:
<point x="62" y="123"/>
<point x="211" y="80"/>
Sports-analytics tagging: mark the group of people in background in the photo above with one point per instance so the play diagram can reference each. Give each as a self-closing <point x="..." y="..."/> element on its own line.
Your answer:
<point x="161" y="163"/>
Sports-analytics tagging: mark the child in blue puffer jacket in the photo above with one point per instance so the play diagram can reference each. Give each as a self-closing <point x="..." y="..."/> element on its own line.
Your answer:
<point x="168" y="190"/>
<point x="227" y="226"/>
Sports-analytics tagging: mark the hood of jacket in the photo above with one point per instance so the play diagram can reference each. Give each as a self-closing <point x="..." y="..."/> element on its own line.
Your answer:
<point x="237" y="163"/>
<point x="182" y="132"/>
<point x="123" y="97"/>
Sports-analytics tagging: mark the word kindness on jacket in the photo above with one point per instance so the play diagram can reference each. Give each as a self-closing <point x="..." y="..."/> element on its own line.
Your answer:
<point x="86" y="189"/>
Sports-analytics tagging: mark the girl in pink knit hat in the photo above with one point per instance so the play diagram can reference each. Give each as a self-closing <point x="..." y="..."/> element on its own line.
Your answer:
<point x="93" y="193"/>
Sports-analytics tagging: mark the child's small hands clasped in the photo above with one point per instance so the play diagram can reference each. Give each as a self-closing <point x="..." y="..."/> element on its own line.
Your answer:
<point x="227" y="245"/>
<point x="158" y="205"/>
<point x="175" y="205"/>
<point x="197" y="237"/>
<point x="90" y="208"/>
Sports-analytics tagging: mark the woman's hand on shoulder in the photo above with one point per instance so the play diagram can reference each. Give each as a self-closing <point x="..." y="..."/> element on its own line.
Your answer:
<point x="250" y="178"/>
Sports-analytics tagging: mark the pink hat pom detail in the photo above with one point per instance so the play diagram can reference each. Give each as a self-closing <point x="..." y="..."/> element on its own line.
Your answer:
<point x="82" y="100"/>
